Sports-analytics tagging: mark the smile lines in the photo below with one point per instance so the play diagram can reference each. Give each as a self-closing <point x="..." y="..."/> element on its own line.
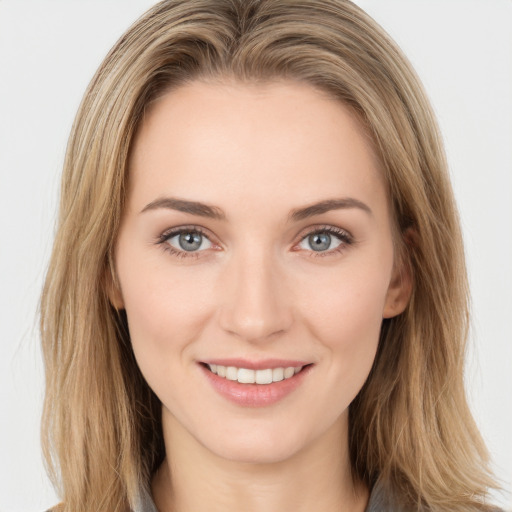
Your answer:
<point x="248" y="376"/>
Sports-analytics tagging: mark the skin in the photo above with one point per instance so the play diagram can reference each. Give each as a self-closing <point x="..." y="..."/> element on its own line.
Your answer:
<point x="256" y="289"/>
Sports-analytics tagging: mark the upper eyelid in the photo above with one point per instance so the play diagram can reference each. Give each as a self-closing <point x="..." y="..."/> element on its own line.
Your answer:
<point x="170" y="232"/>
<point x="325" y="227"/>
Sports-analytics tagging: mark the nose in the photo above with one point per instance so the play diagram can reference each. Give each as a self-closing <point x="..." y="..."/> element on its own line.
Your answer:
<point x="256" y="305"/>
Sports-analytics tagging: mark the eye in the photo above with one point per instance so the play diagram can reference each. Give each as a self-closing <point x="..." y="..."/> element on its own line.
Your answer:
<point x="185" y="242"/>
<point x="325" y="240"/>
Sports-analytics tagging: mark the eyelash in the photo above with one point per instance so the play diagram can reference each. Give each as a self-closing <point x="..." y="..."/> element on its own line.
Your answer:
<point x="345" y="238"/>
<point x="167" y="235"/>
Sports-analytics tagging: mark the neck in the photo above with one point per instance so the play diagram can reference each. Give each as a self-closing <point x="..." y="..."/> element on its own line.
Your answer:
<point x="316" y="478"/>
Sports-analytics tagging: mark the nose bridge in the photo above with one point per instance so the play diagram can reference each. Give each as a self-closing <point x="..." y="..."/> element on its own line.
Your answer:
<point x="255" y="305"/>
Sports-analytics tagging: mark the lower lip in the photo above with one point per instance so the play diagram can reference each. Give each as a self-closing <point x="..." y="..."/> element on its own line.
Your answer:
<point x="255" y="395"/>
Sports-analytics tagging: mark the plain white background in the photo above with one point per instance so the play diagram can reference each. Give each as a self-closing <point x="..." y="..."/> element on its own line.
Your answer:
<point x="49" y="49"/>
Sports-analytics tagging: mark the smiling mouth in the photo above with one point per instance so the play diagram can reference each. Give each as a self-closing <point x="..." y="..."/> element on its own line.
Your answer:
<point x="249" y="376"/>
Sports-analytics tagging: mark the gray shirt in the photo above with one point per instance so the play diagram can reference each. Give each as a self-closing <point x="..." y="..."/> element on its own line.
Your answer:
<point x="380" y="501"/>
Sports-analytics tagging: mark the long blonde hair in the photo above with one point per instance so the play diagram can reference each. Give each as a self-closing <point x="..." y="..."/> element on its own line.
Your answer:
<point x="410" y="425"/>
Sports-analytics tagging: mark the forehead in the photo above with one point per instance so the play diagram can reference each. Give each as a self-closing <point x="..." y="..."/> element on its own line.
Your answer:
<point x="268" y="140"/>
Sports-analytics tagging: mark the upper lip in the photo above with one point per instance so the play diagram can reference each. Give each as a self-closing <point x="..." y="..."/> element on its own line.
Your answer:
<point x="261" y="364"/>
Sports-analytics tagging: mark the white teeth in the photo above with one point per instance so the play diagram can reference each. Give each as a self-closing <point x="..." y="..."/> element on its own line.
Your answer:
<point x="263" y="376"/>
<point x="277" y="374"/>
<point x="231" y="373"/>
<point x="289" y="372"/>
<point x="248" y="376"/>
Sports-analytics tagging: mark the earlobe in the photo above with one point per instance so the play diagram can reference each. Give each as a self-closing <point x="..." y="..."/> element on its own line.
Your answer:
<point x="400" y="286"/>
<point x="399" y="293"/>
<point x="113" y="289"/>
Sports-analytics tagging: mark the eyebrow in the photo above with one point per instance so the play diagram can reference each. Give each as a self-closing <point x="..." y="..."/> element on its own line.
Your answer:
<point x="328" y="205"/>
<point x="213" y="212"/>
<point x="181" y="205"/>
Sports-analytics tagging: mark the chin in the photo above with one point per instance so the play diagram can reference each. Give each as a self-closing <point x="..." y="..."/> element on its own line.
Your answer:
<point x="270" y="442"/>
<point x="258" y="449"/>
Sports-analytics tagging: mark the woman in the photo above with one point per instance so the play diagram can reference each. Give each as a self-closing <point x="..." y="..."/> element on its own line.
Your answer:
<point x="257" y="295"/>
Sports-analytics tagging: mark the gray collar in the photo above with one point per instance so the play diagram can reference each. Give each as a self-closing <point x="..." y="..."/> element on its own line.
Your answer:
<point x="380" y="501"/>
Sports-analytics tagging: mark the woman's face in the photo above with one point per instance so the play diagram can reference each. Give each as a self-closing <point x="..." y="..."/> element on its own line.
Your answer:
<point x="256" y="238"/>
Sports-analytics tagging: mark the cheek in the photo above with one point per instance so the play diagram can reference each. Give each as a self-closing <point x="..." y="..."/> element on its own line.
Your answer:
<point x="345" y="318"/>
<point x="349" y="303"/>
<point x="165" y="307"/>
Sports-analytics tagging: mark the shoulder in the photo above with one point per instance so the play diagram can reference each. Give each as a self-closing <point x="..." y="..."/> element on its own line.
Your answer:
<point x="383" y="499"/>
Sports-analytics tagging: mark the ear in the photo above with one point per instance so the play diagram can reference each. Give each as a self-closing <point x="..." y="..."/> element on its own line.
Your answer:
<point x="401" y="284"/>
<point x="112" y="288"/>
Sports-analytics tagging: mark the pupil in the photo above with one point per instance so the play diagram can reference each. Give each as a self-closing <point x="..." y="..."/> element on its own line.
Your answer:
<point x="190" y="241"/>
<point x="320" y="241"/>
